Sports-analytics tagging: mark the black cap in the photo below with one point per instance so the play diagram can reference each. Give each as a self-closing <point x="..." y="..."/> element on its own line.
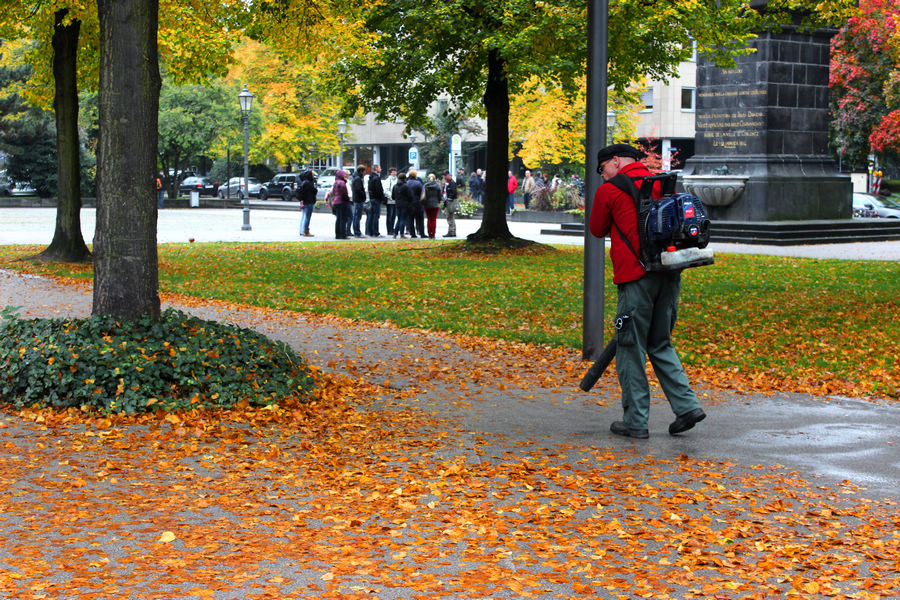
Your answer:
<point x="618" y="150"/>
<point x="446" y="172"/>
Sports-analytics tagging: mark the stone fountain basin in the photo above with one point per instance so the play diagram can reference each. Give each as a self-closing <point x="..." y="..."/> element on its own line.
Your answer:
<point x="715" y="190"/>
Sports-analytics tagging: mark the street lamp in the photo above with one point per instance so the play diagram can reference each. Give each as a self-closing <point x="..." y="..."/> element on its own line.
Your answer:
<point x="342" y="129"/>
<point x="610" y="126"/>
<point x="246" y="100"/>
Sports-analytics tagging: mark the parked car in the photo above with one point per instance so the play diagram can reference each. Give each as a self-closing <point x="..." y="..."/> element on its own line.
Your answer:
<point x="888" y="207"/>
<point x="870" y="205"/>
<point x="204" y="185"/>
<point x="8" y="187"/>
<point x="325" y="179"/>
<point x="284" y="185"/>
<point x="235" y="188"/>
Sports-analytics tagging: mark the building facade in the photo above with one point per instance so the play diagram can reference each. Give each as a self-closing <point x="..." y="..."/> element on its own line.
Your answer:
<point x="384" y="143"/>
<point x="666" y="124"/>
<point x="668" y="118"/>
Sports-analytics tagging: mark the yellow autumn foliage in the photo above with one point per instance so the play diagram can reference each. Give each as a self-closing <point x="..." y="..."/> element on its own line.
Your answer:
<point x="550" y="124"/>
<point x="298" y="116"/>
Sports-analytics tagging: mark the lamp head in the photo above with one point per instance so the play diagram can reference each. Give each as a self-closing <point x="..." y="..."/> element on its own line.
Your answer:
<point x="246" y="100"/>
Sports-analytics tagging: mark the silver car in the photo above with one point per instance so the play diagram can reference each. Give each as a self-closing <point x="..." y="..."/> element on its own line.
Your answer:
<point x="325" y="179"/>
<point x="870" y="205"/>
<point x="235" y="188"/>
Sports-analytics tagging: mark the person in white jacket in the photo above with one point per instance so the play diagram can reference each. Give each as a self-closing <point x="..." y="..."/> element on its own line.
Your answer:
<point x="390" y="203"/>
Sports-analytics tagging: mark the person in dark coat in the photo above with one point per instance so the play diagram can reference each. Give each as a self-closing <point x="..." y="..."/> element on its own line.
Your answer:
<point x="475" y="187"/>
<point x="403" y="201"/>
<point x="307" y="195"/>
<point x="416" y="217"/>
<point x="434" y="195"/>
<point x="358" y="189"/>
<point x="376" y="197"/>
<point x="340" y="200"/>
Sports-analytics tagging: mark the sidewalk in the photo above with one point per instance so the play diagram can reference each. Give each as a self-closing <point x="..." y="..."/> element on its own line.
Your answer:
<point x="36" y="225"/>
<point x="459" y="469"/>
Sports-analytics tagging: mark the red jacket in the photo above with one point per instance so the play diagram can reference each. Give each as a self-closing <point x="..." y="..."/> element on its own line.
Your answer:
<point x="511" y="184"/>
<point x="612" y="204"/>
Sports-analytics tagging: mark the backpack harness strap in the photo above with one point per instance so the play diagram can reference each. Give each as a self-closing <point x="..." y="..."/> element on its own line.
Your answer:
<point x="627" y="185"/>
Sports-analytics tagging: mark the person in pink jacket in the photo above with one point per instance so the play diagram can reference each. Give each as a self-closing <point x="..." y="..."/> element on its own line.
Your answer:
<point x="340" y="202"/>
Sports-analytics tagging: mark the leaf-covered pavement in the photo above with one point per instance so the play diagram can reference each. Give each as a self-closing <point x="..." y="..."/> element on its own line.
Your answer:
<point x="760" y="323"/>
<point x="385" y="488"/>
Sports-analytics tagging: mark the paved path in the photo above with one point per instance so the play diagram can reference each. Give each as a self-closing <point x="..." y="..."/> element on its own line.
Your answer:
<point x="35" y="226"/>
<point x="836" y="438"/>
<point x="779" y="473"/>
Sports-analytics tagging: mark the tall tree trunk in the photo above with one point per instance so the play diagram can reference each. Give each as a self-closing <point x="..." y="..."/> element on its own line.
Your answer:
<point x="68" y="243"/>
<point x="496" y="102"/>
<point x="126" y="268"/>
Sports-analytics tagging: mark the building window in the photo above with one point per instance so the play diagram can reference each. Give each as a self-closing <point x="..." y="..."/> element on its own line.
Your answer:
<point x="647" y="99"/>
<point x="687" y="98"/>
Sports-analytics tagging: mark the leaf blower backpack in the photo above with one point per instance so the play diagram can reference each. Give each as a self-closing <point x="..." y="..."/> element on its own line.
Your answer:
<point x="674" y="230"/>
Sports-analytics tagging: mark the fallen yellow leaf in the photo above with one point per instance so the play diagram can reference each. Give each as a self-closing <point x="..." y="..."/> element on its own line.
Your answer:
<point x="166" y="537"/>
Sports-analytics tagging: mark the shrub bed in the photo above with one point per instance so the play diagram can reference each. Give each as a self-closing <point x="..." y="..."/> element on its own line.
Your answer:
<point x="178" y="362"/>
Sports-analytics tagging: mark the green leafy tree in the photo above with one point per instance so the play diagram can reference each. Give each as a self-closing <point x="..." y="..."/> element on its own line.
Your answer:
<point x="193" y="41"/>
<point x="27" y="135"/>
<point x="30" y="142"/>
<point x="481" y="52"/>
<point x="68" y="242"/>
<point x="435" y="151"/>
<point x="190" y="122"/>
<point x="63" y="30"/>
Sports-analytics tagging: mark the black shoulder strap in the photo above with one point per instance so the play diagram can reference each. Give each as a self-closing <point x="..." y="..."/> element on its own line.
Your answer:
<point x="627" y="185"/>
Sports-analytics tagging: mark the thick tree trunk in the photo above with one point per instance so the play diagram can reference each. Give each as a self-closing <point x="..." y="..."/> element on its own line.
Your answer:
<point x="496" y="102"/>
<point x="126" y="269"/>
<point x="68" y="243"/>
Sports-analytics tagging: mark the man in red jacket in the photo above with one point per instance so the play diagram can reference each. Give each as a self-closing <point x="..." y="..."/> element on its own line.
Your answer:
<point x="647" y="304"/>
<point x="511" y="184"/>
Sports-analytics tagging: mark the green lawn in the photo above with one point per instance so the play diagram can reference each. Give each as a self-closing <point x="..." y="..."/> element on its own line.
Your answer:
<point x="824" y="325"/>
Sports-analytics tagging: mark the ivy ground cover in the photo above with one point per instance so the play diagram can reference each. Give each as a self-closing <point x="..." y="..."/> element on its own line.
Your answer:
<point x="758" y="322"/>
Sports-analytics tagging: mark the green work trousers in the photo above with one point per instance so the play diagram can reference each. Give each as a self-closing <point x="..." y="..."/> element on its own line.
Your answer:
<point x="646" y="315"/>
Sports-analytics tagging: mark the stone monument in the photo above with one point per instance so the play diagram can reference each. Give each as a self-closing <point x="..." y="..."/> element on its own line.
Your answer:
<point x="762" y="134"/>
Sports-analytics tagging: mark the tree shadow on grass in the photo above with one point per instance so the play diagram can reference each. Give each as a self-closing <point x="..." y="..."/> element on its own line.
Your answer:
<point x="505" y="246"/>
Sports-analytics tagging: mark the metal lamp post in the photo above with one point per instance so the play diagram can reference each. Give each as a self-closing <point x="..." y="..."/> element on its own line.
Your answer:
<point x="246" y="100"/>
<point x="595" y="136"/>
<point x="342" y="129"/>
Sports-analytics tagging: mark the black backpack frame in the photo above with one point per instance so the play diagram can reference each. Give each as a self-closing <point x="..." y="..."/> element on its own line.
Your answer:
<point x="691" y="234"/>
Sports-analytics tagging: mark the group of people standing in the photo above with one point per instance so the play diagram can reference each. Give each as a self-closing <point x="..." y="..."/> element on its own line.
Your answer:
<point x="408" y="201"/>
<point x="413" y="209"/>
<point x="348" y="201"/>
<point x="531" y="186"/>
